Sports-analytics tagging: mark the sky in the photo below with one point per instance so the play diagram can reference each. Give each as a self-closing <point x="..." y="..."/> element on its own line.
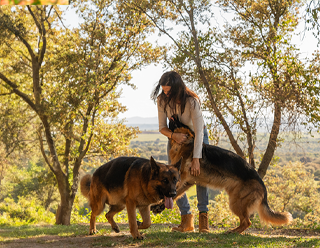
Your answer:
<point x="138" y="100"/>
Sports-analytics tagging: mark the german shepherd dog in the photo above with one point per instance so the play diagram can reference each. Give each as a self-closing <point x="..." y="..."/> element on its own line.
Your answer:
<point x="130" y="182"/>
<point x="223" y="169"/>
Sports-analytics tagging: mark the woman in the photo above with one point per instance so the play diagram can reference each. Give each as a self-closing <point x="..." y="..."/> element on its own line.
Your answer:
<point x="176" y="98"/>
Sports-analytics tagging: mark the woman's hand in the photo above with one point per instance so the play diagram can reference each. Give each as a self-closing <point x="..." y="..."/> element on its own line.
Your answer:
<point x="195" y="167"/>
<point x="179" y="137"/>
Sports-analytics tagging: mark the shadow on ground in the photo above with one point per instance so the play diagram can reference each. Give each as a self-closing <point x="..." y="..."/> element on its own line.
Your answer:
<point x="158" y="235"/>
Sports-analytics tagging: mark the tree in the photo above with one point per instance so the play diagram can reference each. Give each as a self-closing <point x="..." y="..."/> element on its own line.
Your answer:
<point x="283" y="80"/>
<point x="69" y="79"/>
<point x="16" y="135"/>
<point x="32" y="180"/>
<point x="215" y="61"/>
<point x="313" y="17"/>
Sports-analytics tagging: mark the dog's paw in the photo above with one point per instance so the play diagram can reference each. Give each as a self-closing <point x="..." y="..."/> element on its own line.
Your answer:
<point x="93" y="232"/>
<point x="138" y="237"/>
<point x="157" y="209"/>
<point x="116" y="229"/>
<point x="232" y="231"/>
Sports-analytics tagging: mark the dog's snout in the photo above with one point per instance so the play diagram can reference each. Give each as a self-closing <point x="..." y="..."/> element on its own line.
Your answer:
<point x="172" y="193"/>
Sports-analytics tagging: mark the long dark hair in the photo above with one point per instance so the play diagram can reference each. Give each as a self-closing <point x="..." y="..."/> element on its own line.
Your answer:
<point x="178" y="94"/>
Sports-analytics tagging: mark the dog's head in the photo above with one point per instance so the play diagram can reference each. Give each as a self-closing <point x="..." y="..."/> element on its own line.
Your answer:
<point x="176" y="126"/>
<point x="166" y="178"/>
<point x="184" y="149"/>
<point x="175" y="123"/>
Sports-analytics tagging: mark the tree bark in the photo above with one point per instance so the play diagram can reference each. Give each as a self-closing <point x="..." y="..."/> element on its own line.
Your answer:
<point x="63" y="214"/>
<point x="272" y="144"/>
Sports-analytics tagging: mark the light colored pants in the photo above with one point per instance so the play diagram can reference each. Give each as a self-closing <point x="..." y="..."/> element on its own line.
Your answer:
<point x="202" y="192"/>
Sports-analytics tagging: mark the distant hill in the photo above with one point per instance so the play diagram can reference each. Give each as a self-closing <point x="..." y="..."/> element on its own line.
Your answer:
<point x="142" y="120"/>
<point x="144" y="123"/>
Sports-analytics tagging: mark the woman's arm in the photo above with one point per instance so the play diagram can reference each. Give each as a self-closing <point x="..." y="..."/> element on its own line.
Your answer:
<point x="195" y="167"/>
<point x="197" y="121"/>
<point x="177" y="137"/>
<point x="166" y="132"/>
<point x="163" y="128"/>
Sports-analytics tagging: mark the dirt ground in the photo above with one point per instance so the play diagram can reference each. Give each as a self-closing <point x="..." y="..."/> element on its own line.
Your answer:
<point x="116" y="239"/>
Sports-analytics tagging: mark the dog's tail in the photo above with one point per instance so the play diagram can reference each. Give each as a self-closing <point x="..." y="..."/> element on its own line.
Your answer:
<point x="85" y="185"/>
<point x="269" y="216"/>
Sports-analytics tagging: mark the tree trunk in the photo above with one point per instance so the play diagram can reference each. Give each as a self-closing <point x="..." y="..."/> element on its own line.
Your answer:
<point x="63" y="214"/>
<point x="272" y="144"/>
<point x="234" y="143"/>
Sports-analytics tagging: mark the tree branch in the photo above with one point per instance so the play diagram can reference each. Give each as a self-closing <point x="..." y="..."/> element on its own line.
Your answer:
<point x="14" y="89"/>
<point x="42" y="149"/>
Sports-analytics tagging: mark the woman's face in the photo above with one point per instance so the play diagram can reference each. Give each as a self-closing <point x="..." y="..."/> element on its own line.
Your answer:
<point x="166" y="90"/>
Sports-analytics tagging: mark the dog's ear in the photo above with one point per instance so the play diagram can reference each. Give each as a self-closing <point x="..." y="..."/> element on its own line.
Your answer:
<point x="178" y="164"/>
<point x="172" y="125"/>
<point x="174" y="122"/>
<point x="154" y="167"/>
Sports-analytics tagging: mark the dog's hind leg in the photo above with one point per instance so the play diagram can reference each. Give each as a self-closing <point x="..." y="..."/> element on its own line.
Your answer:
<point x="244" y="224"/>
<point x="114" y="209"/>
<point x="145" y="214"/>
<point x="93" y="229"/>
<point x="241" y="208"/>
<point x="96" y="208"/>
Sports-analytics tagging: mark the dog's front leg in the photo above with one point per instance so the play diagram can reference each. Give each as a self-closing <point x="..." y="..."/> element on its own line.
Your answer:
<point x="158" y="208"/>
<point x="145" y="214"/>
<point x="182" y="189"/>
<point x="131" y="209"/>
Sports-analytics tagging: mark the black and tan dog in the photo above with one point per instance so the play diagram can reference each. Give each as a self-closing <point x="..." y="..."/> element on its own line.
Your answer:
<point x="223" y="169"/>
<point x="129" y="182"/>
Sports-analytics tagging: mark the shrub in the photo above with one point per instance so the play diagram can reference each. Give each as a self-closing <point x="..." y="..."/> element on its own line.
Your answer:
<point x="294" y="189"/>
<point x="24" y="211"/>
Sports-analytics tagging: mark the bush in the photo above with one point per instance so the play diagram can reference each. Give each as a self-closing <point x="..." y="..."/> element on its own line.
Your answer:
<point x="24" y="211"/>
<point x="294" y="189"/>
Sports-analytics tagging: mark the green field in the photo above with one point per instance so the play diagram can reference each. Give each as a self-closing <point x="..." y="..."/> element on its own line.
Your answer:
<point x="150" y="136"/>
<point x="304" y="148"/>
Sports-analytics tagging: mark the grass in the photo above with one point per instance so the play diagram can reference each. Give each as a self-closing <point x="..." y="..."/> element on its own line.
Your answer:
<point x="158" y="235"/>
<point x="27" y="231"/>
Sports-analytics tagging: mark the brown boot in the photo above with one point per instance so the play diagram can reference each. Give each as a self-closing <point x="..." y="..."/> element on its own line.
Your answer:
<point x="186" y="224"/>
<point x="203" y="223"/>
